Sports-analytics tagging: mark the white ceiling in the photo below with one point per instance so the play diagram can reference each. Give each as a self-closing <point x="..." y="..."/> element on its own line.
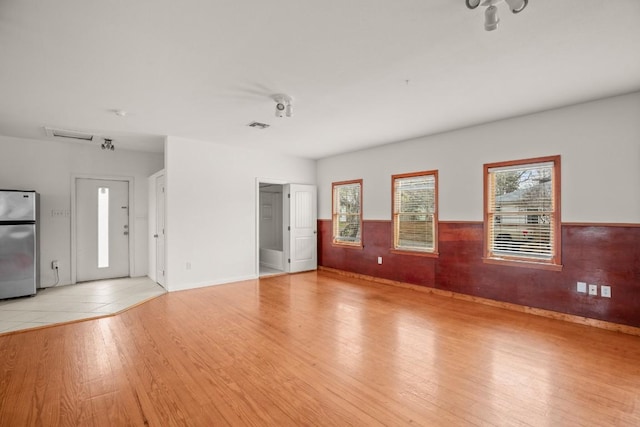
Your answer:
<point x="361" y="72"/>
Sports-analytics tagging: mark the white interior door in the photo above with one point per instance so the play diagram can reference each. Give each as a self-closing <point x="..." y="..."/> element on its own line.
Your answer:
<point x="160" y="235"/>
<point x="303" y="223"/>
<point x="102" y="229"/>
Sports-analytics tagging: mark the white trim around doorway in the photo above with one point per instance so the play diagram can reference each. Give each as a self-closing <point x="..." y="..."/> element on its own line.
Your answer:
<point x="257" y="207"/>
<point x="130" y="180"/>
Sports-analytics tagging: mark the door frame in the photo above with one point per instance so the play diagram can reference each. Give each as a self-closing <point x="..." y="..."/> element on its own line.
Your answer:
<point x="285" y="222"/>
<point x="74" y="250"/>
<point x="153" y="206"/>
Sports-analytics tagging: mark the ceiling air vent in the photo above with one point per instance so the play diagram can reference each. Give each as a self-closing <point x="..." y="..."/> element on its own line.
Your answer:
<point x="258" y="125"/>
<point x="69" y="134"/>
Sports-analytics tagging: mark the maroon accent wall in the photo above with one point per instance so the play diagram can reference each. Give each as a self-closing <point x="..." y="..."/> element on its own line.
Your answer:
<point x="377" y="242"/>
<point x="593" y="254"/>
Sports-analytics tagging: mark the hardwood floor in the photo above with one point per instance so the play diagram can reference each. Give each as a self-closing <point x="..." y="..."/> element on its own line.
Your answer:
<point x="318" y="349"/>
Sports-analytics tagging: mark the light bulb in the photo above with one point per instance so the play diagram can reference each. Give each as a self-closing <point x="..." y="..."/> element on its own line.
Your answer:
<point x="491" y="19"/>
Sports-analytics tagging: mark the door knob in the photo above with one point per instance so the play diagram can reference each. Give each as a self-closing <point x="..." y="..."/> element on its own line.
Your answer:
<point x="155" y="235"/>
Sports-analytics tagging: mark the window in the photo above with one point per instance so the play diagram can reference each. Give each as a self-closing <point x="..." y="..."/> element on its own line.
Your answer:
<point x="103" y="227"/>
<point x="347" y="213"/>
<point x="415" y="215"/>
<point x="522" y="212"/>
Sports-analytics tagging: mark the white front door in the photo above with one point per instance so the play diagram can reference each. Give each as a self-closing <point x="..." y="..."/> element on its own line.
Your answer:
<point x="159" y="235"/>
<point x="303" y="223"/>
<point x="102" y="229"/>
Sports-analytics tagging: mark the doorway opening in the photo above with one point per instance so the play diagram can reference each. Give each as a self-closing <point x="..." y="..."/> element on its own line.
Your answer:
<point x="286" y="220"/>
<point x="271" y="258"/>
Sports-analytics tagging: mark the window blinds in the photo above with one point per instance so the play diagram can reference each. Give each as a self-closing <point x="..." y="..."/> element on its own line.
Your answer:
<point x="347" y="218"/>
<point x="521" y="213"/>
<point x="414" y="207"/>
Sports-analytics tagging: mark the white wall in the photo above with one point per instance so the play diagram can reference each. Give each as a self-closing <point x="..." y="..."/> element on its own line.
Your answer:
<point x="599" y="143"/>
<point x="47" y="167"/>
<point x="211" y="208"/>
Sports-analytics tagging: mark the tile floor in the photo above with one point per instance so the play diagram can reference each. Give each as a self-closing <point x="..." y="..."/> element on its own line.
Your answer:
<point x="74" y="302"/>
<point x="268" y="271"/>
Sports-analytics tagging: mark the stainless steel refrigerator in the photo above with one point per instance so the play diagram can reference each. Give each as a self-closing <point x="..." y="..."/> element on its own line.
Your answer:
<point x="19" y="269"/>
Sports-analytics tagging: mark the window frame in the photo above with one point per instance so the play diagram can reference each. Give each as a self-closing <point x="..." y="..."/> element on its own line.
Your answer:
<point x="555" y="262"/>
<point x="354" y="245"/>
<point x="394" y="238"/>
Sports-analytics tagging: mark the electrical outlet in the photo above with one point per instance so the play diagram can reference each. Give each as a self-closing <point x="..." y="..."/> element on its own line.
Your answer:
<point x="605" y="291"/>
<point x="593" y="289"/>
<point x="379" y="260"/>
<point x="582" y="287"/>
<point x="55" y="265"/>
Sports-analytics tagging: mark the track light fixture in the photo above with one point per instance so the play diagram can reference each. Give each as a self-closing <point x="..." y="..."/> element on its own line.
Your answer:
<point x="491" y="19"/>
<point x="108" y="144"/>
<point x="283" y="105"/>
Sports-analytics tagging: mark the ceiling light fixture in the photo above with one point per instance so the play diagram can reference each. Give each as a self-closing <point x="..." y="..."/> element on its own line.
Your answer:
<point x="108" y="145"/>
<point x="491" y="19"/>
<point x="283" y="105"/>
